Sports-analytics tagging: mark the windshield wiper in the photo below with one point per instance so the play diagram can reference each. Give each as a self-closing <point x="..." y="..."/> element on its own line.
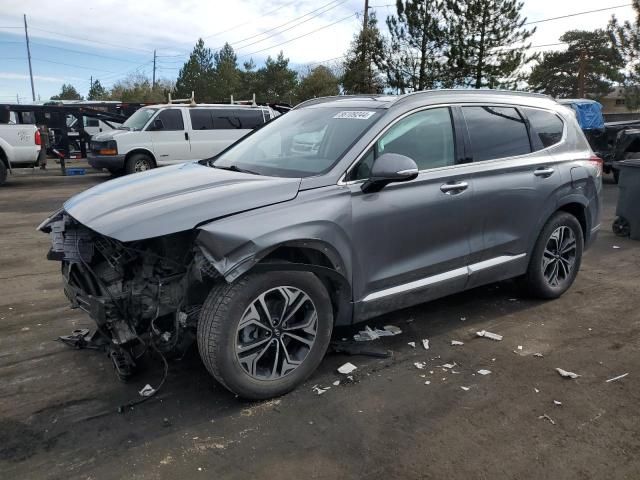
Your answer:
<point x="234" y="168"/>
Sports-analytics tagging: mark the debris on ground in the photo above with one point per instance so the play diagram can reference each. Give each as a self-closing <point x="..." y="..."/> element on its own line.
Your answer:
<point x="547" y="417"/>
<point x="425" y="343"/>
<point x="455" y="343"/>
<point x="484" y="371"/>
<point x="466" y="389"/>
<point x="412" y="344"/>
<point x="567" y="374"/>
<point x="369" y="334"/>
<point x="428" y="382"/>
<point x="617" y="378"/>
<point x="147" y="391"/>
<point x="420" y="365"/>
<point x="347" y="368"/>
<point x="449" y="365"/>
<point x="519" y="347"/>
<point x="556" y="402"/>
<point x="616" y="247"/>
<point x="538" y="354"/>
<point x="463" y="319"/>
<point x="319" y="390"/>
<point x="356" y="348"/>
<point x="536" y="390"/>
<point x="336" y="383"/>
<point x="492" y="336"/>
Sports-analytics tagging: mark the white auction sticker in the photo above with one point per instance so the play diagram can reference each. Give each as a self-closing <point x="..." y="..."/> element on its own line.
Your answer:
<point x="355" y="115"/>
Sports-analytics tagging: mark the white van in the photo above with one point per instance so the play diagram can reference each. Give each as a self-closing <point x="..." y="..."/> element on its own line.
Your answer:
<point x="161" y="135"/>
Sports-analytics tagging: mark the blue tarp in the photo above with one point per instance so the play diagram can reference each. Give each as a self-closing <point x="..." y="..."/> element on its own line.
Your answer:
<point x="588" y="112"/>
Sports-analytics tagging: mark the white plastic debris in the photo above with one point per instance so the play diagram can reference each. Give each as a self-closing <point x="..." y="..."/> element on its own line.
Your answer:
<point x="519" y="347"/>
<point x="336" y="383"/>
<point x="536" y="390"/>
<point x="147" y="391"/>
<point x="466" y="389"/>
<point x="556" y="402"/>
<point x="392" y="329"/>
<point x="484" y="371"/>
<point x="455" y="343"/>
<point x="412" y="344"/>
<point x="347" y="368"/>
<point x="425" y="343"/>
<point x="319" y="390"/>
<point x="420" y="365"/>
<point x="547" y="417"/>
<point x="369" y="334"/>
<point x="428" y="382"/>
<point x="617" y="378"/>
<point x="567" y="374"/>
<point x="448" y="365"/>
<point x="537" y="354"/>
<point x="492" y="336"/>
<point x="616" y="247"/>
<point x="463" y="319"/>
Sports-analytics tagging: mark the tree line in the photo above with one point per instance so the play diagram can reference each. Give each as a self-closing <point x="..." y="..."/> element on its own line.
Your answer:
<point x="430" y="44"/>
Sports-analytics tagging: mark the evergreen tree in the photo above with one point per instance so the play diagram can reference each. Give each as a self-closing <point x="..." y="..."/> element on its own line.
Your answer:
<point x="366" y="54"/>
<point x="227" y="74"/>
<point x="276" y="81"/>
<point x="97" y="91"/>
<point x="68" y="92"/>
<point x="487" y="43"/>
<point x="319" y="82"/>
<point x="197" y="75"/>
<point x="626" y="40"/>
<point x="417" y="34"/>
<point x="558" y="74"/>
<point x="249" y="80"/>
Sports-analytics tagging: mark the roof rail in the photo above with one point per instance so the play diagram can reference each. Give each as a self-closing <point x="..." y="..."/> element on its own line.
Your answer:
<point x="469" y="91"/>
<point x="316" y="101"/>
<point x="190" y="100"/>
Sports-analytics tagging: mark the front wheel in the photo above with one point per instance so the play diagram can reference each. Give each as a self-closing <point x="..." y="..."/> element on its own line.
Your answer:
<point x="264" y="334"/>
<point x="139" y="162"/>
<point x="556" y="257"/>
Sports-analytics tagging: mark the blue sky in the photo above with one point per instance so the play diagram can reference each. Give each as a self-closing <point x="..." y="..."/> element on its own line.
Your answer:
<point x="108" y="39"/>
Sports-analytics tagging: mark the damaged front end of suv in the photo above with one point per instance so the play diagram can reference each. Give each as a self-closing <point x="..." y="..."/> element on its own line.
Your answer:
<point x="139" y="293"/>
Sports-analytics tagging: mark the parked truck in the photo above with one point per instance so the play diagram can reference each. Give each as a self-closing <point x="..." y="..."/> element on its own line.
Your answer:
<point x="19" y="147"/>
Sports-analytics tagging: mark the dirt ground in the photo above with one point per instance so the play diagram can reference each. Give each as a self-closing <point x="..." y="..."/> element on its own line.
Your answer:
<point x="58" y="406"/>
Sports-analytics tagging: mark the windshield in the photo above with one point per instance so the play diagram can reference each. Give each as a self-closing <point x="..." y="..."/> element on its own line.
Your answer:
<point x="139" y="119"/>
<point x="300" y="143"/>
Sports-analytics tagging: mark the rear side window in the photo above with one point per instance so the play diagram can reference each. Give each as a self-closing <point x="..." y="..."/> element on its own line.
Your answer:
<point x="244" y="119"/>
<point x="171" y="119"/>
<point x="201" y="119"/>
<point x="546" y="128"/>
<point x="496" y="132"/>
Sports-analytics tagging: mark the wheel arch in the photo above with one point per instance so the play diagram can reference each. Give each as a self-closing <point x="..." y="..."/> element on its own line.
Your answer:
<point x="138" y="150"/>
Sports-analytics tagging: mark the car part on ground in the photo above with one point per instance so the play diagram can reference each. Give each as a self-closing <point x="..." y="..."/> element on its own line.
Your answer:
<point x="344" y="209"/>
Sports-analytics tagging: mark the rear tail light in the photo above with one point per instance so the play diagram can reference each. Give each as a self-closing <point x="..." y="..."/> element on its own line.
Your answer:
<point x="597" y="162"/>
<point x="37" y="138"/>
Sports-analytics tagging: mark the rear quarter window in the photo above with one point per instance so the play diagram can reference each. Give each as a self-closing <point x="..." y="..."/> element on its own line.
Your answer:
<point x="242" y="119"/>
<point x="546" y="127"/>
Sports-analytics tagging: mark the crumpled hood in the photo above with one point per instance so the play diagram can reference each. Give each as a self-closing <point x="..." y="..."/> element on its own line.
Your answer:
<point x="173" y="199"/>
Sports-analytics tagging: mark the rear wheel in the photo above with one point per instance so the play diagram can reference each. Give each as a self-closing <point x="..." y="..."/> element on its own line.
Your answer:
<point x="556" y="257"/>
<point x="266" y="333"/>
<point x="139" y="162"/>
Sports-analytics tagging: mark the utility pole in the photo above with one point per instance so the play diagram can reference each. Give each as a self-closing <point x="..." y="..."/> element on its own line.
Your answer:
<point x="366" y="69"/>
<point x="26" y="34"/>
<point x="581" y="74"/>
<point x="366" y="14"/>
<point x="153" y="83"/>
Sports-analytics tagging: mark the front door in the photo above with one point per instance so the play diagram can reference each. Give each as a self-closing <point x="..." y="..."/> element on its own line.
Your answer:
<point x="169" y="137"/>
<point x="411" y="240"/>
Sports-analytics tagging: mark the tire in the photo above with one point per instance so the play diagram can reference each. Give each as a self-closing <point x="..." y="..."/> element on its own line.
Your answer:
<point x="246" y="370"/>
<point x="539" y="281"/>
<point x="139" y="162"/>
<point x="3" y="172"/>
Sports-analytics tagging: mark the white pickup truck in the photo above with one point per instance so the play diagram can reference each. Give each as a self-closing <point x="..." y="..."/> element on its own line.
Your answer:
<point x="19" y="147"/>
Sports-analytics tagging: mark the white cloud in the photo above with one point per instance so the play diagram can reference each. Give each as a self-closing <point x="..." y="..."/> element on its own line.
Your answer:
<point x="40" y="78"/>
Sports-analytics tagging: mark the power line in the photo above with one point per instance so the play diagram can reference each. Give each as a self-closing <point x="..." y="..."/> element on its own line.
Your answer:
<point x="71" y="65"/>
<point x="83" y="53"/>
<point x="100" y="42"/>
<point x="578" y="13"/>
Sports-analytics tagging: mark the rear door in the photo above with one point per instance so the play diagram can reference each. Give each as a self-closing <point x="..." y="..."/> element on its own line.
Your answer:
<point x="515" y="179"/>
<point x="169" y="136"/>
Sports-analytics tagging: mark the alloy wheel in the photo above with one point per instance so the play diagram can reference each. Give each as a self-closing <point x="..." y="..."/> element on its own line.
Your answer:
<point x="142" y="165"/>
<point x="559" y="256"/>
<point x="276" y="333"/>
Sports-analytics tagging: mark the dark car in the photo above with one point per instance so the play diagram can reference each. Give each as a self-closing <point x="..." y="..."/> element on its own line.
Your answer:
<point x="341" y="210"/>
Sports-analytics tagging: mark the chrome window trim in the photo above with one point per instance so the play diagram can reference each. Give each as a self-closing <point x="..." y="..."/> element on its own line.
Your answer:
<point x="343" y="182"/>
<point x="443" y="277"/>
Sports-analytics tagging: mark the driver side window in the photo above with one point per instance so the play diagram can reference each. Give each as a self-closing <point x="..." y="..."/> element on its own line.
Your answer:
<point x="426" y="137"/>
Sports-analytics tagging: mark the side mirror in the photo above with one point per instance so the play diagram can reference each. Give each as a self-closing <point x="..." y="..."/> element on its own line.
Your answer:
<point x="390" y="168"/>
<point x="156" y="125"/>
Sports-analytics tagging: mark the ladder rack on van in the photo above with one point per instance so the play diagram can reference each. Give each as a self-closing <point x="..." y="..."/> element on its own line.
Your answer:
<point x="251" y="102"/>
<point x="191" y="100"/>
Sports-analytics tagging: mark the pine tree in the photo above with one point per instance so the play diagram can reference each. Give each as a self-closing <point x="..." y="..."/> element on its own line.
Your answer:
<point x="249" y="80"/>
<point x="417" y="34"/>
<point x="626" y="40"/>
<point x="276" y="81"/>
<point x="487" y="43"/>
<point x="362" y="61"/>
<point x="227" y="74"/>
<point x="197" y="75"/>
<point x="557" y="74"/>
<point x="97" y="91"/>
<point x="318" y="82"/>
<point x="67" y="92"/>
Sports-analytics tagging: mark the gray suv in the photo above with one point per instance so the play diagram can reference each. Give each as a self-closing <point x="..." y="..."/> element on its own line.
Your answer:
<point x="341" y="210"/>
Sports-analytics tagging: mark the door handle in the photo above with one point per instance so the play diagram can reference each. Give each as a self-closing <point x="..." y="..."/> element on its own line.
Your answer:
<point x="186" y="136"/>
<point x="543" y="172"/>
<point x="454" y="188"/>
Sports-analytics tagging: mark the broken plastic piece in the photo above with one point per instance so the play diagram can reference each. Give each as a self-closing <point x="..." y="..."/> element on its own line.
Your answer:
<point x="392" y="329"/>
<point x="336" y="383"/>
<point x="449" y="365"/>
<point x="425" y="343"/>
<point x="567" y="374"/>
<point x="519" y="347"/>
<point x="147" y="391"/>
<point x="556" y="402"/>
<point x="484" y="371"/>
<point x="466" y="389"/>
<point x="420" y="365"/>
<point x="412" y="344"/>
<point x="617" y="378"/>
<point x="455" y="343"/>
<point x="368" y="334"/>
<point x="538" y="355"/>
<point x="536" y="390"/>
<point x="428" y="382"/>
<point x="547" y="417"/>
<point x="347" y="368"/>
<point x="492" y="336"/>
<point x="320" y="390"/>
